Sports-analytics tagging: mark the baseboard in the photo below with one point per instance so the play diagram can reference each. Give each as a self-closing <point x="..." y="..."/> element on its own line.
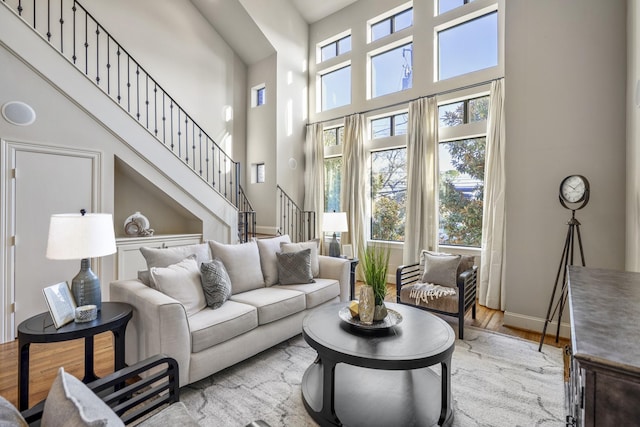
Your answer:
<point x="536" y="324"/>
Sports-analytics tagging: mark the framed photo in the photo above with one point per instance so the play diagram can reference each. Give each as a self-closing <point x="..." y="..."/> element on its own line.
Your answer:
<point x="347" y="251"/>
<point x="60" y="302"/>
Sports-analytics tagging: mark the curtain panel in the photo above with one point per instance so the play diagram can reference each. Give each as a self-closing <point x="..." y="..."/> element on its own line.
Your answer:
<point x="353" y="188"/>
<point x="314" y="174"/>
<point x="421" y="226"/>
<point x="492" y="284"/>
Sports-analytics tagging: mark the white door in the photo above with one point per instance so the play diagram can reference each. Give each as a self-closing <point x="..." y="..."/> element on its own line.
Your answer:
<point x="47" y="181"/>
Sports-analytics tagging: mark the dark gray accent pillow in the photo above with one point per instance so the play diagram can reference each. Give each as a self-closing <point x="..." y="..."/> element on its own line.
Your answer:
<point x="295" y="267"/>
<point x="441" y="269"/>
<point x="215" y="283"/>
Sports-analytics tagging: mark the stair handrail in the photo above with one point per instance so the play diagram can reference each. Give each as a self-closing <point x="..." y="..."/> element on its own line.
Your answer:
<point x="299" y="224"/>
<point x="212" y="164"/>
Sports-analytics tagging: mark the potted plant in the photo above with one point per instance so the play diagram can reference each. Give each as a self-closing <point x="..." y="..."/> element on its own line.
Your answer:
<point x="374" y="261"/>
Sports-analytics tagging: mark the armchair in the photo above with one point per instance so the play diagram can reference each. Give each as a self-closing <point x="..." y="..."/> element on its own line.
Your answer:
<point x="461" y="285"/>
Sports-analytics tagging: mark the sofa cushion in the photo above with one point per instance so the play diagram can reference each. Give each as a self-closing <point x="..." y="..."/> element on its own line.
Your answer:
<point x="242" y="262"/>
<point x="210" y="327"/>
<point x="72" y="403"/>
<point x="216" y="283"/>
<point x="9" y="415"/>
<point x="314" y="245"/>
<point x="182" y="282"/>
<point x="448" y="303"/>
<point x="268" y="249"/>
<point x="466" y="261"/>
<point x="295" y="267"/>
<point x="165" y="257"/>
<point x="317" y="293"/>
<point x="441" y="269"/>
<point x="272" y="303"/>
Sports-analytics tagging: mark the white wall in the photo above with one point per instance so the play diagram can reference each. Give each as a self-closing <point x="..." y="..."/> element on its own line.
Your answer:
<point x="633" y="138"/>
<point x="565" y="76"/>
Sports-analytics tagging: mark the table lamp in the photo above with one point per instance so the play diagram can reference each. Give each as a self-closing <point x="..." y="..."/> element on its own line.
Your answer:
<point x="335" y="222"/>
<point x="82" y="236"/>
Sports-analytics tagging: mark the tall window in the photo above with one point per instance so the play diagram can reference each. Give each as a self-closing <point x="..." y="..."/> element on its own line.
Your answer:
<point x="461" y="165"/>
<point x="392" y="71"/>
<point x="447" y="5"/>
<point x="333" y="136"/>
<point x="393" y="125"/>
<point x="388" y="194"/>
<point x="468" y="47"/>
<point x="336" y="88"/>
<point x="332" y="179"/>
<point x="335" y="48"/>
<point x="392" y="24"/>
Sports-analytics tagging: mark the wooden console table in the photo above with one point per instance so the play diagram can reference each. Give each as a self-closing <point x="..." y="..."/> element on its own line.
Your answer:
<point x="605" y="340"/>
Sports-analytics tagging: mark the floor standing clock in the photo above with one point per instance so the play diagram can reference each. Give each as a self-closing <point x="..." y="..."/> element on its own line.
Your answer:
<point x="573" y="195"/>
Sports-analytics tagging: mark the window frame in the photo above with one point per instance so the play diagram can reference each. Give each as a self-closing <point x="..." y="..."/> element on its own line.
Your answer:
<point x="382" y="50"/>
<point x="262" y="87"/>
<point x="320" y="85"/>
<point x="390" y="16"/>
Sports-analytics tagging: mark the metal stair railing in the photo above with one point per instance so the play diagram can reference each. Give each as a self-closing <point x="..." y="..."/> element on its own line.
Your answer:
<point x="88" y="46"/>
<point x="299" y="224"/>
<point x="246" y="219"/>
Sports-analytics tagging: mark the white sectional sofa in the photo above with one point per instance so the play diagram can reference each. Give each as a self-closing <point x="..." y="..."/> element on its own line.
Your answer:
<point x="169" y="318"/>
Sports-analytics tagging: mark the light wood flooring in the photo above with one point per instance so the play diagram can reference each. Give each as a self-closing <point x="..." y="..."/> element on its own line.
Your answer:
<point x="46" y="358"/>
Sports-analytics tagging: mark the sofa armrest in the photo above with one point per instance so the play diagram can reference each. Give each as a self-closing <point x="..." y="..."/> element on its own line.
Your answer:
<point x="159" y="325"/>
<point x="129" y="396"/>
<point x="338" y="269"/>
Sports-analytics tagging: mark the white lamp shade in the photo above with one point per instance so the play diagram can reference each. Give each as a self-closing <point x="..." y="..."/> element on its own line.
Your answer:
<point x="335" y="222"/>
<point x="77" y="236"/>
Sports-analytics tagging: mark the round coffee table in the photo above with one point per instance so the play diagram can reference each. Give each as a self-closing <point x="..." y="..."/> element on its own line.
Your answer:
<point x="382" y="379"/>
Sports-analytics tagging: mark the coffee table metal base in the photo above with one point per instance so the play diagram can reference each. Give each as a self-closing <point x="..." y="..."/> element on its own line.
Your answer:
<point x="355" y="396"/>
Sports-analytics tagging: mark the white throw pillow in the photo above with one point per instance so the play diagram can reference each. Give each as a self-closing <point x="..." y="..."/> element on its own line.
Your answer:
<point x="242" y="262"/>
<point x="71" y="403"/>
<point x="268" y="249"/>
<point x="165" y="257"/>
<point x="314" y="245"/>
<point x="182" y="282"/>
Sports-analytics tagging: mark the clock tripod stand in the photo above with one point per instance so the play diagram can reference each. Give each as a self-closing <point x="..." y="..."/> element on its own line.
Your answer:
<point x="565" y="261"/>
<point x="574" y="189"/>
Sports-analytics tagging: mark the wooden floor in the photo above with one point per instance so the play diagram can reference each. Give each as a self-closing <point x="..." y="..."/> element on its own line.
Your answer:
<point x="46" y="358"/>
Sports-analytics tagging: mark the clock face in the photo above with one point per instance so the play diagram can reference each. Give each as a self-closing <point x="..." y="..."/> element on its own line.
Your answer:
<point x="573" y="188"/>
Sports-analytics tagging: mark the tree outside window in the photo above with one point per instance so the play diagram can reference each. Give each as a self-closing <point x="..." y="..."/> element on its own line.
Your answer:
<point x="388" y="194"/>
<point x="332" y="180"/>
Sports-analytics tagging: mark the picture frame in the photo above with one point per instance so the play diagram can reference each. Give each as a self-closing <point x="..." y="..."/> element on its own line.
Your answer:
<point x="60" y="303"/>
<point x="347" y="251"/>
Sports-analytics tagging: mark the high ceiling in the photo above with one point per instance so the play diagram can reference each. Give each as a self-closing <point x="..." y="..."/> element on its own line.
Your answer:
<point x="315" y="10"/>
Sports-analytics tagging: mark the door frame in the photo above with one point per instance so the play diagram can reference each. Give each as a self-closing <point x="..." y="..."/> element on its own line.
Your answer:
<point x="8" y="151"/>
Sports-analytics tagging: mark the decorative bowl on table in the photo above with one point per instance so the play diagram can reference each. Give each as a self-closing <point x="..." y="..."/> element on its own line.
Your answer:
<point x="392" y="319"/>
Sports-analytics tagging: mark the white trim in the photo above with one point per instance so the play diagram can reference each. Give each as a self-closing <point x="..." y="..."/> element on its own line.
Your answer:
<point x="536" y="324"/>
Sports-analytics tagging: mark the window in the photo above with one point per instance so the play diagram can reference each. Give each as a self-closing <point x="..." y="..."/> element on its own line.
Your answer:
<point x="468" y="47"/>
<point x="258" y="95"/>
<point x="332" y="179"/>
<point x="333" y="136"/>
<point x="333" y="49"/>
<point x="260" y="172"/>
<point x="392" y="24"/>
<point x="389" y="126"/>
<point x="336" y="88"/>
<point x="392" y="71"/>
<point x="447" y="5"/>
<point x="461" y="191"/>
<point x="462" y="112"/>
<point x="388" y="194"/>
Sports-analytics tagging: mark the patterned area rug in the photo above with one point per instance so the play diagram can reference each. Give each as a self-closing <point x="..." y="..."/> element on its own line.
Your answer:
<point x="496" y="380"/>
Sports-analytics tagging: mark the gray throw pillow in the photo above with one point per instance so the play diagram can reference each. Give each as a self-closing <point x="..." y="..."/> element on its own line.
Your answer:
<point x="295" y="267"/>
<point x="441" y="269"/>
<point x="314" y="245"/>
<point x="71" y="403"/>
<point x="215" y="283"/>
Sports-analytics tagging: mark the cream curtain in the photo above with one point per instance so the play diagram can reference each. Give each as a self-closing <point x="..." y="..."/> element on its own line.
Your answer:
<point x="353" y="188"/>
<point x="314" y="174"/>
<point x="421" y="227"/>
<point x="492" y="284"/>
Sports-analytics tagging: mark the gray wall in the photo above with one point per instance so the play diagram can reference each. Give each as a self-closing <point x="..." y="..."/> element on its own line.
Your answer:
<point x="565" y="75"/>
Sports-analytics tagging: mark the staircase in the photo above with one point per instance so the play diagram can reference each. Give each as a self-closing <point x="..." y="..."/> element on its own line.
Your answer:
<point x="299" y="224"/>
<point x="75" y="34"/>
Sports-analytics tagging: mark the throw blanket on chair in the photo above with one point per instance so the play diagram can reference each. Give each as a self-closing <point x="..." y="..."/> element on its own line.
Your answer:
<point x="424" y="291"/>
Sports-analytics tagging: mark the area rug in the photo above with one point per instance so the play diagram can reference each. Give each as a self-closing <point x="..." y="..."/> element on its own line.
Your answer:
<point x="496" y="380"/>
